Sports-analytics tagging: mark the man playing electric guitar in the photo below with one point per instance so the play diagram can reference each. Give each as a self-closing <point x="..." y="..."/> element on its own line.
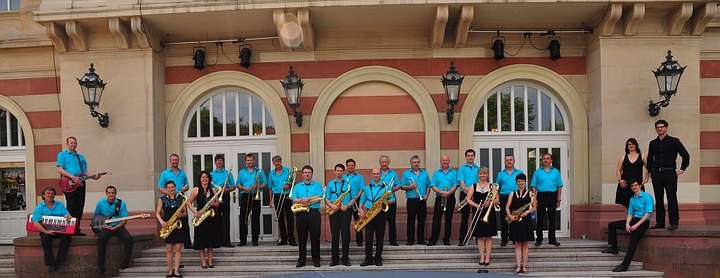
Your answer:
<point x="72" y="168"/>
<point x="112" y="207"/>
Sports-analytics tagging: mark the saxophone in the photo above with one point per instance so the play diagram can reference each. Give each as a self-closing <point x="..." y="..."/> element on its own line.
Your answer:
<point x="299" y="207"/>
<point x="173" y="222"/>
<point x="207" y="210"/>
<point x="338" y="202"/>
<point x="518" y="211"/>
<point x="379" y="205"/>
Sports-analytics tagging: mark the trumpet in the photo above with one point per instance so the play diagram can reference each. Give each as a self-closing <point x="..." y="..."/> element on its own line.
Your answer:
<point x="461" y="204"/>
<point x="412" y="181"/>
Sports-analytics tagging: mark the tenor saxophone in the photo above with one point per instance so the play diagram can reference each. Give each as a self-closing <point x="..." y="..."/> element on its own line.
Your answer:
<point x="207" y="210"/>
<point x="300" y="207"/>
<point x="173" y="222"/>
<point x="337" y="202"/>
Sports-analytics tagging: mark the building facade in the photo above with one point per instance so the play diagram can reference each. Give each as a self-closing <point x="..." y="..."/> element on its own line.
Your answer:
<point x="372" y="86"/>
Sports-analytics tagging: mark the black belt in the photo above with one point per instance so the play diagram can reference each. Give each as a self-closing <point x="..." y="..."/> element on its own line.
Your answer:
<point x="663" y="169"/>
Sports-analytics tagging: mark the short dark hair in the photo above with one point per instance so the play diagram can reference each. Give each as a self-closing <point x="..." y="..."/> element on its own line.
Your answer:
<point x="521" y="176"/>
<point x="109" y="187"/>
<point x="49" y="188"/>
<point x="71" y="137"/>
<point x="340" y="165"/>
<point x="469" y="151"/>
<point x="662" y="122"/>
<point x="220" y="156"/>
<point x="170" y="182"/>
<point x="350" y="160"/>
<point x="175" y="155"/>
<point x="250" y="156"/>
<point x="307" y="167"/>
<point x="544" y="154"/>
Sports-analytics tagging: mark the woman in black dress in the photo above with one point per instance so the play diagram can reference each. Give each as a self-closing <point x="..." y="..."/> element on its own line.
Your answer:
<point x="481" y="230"/>
<point x="521" y="230"/>
<point x="166" y="208"/>
<point x="206" y="234"/>
<point x="630" y="167"/>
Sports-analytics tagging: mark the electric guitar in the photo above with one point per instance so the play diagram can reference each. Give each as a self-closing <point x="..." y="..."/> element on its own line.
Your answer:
<point x="100" y="222"/>
<point x="68" y="185"/>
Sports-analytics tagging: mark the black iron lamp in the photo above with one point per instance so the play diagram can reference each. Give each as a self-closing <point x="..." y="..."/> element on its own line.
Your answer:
<point x="451" y="83"/>
<point x="668" y="77"/>
<point x="292" y="84"/>
<point x="92" y="88"/>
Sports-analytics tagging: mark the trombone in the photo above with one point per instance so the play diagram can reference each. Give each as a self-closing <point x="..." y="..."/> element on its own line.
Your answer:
<point x="291" y="178"/>
<point x="257" y="194"/>
<point x="490" y="200"/>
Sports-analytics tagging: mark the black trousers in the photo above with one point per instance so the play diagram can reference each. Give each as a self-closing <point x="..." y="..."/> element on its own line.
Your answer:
<point x="417" y="210"/>
<point x="375" y="228"/>
<point x="46" y="241"/>
<point x="340" y="228"/>
<point x="635" y="236"/>
<point x="438" y="214"/>
<point x="254" y="207"/>
<point x="663" y="182"/>
<point x="392" y="228"/>
<point x="358" y="235"/>
<point x="464" y="214"/>
<point x="547" y="204"/>
<point x="308" y="223"/>
<point x="286" y="222"/>
<point x="76" y="203"/>
<point x="502" y="221"/>
<point x="225" y="216"/>
<point x="124" y="236"/>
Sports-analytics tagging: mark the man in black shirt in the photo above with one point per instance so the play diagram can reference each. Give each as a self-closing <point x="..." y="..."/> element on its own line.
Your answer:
<point x="662" y="153"/>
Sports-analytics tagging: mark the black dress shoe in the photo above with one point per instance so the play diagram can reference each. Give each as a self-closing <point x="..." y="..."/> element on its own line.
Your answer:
<point x="255" y="243"/>
<point x="292" y="243"/>
<point x="610" y="250"/>
<point x="431" y="243"/>
<point x="282" y="243"/>
<point x="181" y="266"/>
<point x="242" y="243"/>
<point x="422" y="242"/>
<point x="366" y="263"/>
<point x="656" y="226"/>
<point x="410" y="243"/>
<point x="446" y="242"/>
<point x="334" y="263"/>
<point x="346" y="263"/>
<point x="359" y="243"/>
<point x="482" y="271"/>
<point x="123" y="266"/>
<point x="100" y="269"/>
<point x="316" y="263"/>
<point x="300" y="264"/>
<point x="503" y="243"/>
<point x="620" y="268"/>
<point x="378" y="262"/>
<point x="211" y="266"/>
<point x="672" y="227"/>
<point x="538" y="243"/>
<point x="394" y="243"/>
<point x="554" y="242"/>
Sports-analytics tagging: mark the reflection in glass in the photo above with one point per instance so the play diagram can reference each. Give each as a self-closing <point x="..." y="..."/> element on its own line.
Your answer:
<point x="546" y="116"/>
<point x="12" y="191"/>
<point x="257" y="116"/>
<point x="269" y="125"/>
<point x="556" y="158"/>
<point x="559" y="122"/>
<point x="230" y="114"/>
<point x="205" y="119"/>
<point x="484" y="157"/>
<point x="14" y="131"/>
<point x="196" y="168"/>
<point x="519" y="99"/>
<point x="505" y="110"/>
<point x="532" y="164"/>
<point x="480" y="120"/>
<point x="244" y="112"/>
<point x="192" y="127"/>
<point x="497" y="161"/>
<point x="217" y="105"/>
<point x="532" y="109"/>
<point x="3" y="128"/>
<point x="492" y="113"/>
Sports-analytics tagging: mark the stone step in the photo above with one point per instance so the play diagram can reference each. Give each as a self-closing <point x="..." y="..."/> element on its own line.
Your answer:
<point x="393" y="258"/>
<point x="541" y="266"/>
<point x="7" y="262"/>
<point x="598" y="274"/>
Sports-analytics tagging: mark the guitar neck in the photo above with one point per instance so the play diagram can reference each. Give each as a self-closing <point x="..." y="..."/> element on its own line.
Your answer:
<point x="108" y="221"/>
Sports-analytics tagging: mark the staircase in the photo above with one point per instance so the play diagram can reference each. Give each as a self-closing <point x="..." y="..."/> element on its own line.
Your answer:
<point x="7" y="261"/>
<point x="574" y="258"/>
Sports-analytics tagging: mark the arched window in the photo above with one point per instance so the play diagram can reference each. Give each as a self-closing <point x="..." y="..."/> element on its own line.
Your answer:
<point x="229" y="113"/>
<point x="521" y="107"/>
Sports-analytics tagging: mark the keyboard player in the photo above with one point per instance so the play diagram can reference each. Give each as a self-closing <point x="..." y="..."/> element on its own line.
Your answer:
<point x="50" y="207"/>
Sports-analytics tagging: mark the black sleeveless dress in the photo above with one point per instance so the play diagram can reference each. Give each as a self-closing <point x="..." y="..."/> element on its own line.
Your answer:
<point x="207" y="234"/>
<point x="631" y="171"/>
<point x="521" y="231"/>
<point x="483" y="229"/>
<point x="169" y="207"/>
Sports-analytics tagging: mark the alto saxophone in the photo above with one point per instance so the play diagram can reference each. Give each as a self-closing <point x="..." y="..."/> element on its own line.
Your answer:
<point x="379" y="205"/>
<point x="207" y="210"/>
<point x="173" y="222"/>
<point x="338" y="202"/>
<point x="516" y="213"/>
<point x="300" y="207"/>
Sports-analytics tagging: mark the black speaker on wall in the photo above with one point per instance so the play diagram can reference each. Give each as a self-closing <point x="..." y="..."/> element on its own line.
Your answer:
<point x="245" y="57"/>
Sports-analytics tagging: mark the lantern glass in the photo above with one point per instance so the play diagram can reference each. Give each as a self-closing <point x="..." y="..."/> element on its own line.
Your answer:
<point x="668" y="76"/>
<point x="92" y="87"/>
<point x="451" y="83"/>
<point x="292" y="84"/>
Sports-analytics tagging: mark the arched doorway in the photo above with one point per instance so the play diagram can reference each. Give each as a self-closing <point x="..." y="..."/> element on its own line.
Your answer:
<point x="526" y="120"/>
<point x="13" y="185"/>
<point x="231" y="121"/>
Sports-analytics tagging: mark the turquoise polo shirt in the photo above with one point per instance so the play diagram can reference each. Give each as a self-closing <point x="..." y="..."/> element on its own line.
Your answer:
<point x="507" y="181"/>
<point x="421" y="179"/>
<point x="246" y="178"/>
<point x="107" y="209"/>
<point x="276" y="181"/>
<point x="69" y="162"/>
<point x="308" y="190"/>
<point x="546" y="181"/>
<point x="444" y="181"/>
<point x="179" y="178"/>
<point x="357" y="182"/>
<point x="641" y="204"/>
<point x="337" y="187"/>
<point x="42" y="209"/>
<point x="218" y="178"/>
<point x="468" y="173"/>
<point x="373" y="192"/>
<point x="390" y="175"/>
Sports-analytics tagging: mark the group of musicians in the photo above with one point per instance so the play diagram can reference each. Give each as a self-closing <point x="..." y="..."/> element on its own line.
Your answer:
<point x="372" y="205"/>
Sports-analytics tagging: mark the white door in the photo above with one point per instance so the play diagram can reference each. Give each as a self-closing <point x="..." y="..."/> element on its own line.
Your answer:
<point x="200" y="157"/>
<point x="527" y="152"/>
<point x="13" y="194"/>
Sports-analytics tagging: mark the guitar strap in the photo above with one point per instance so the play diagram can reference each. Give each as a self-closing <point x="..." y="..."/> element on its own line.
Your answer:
<point x="117" y="208"/>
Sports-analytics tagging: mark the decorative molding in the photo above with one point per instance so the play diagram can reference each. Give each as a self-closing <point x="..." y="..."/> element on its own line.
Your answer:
<point x="463" y="26"/>
<point x="575" y="108"/>
<point x="279" y="20"/>
<point x="339" y="85"/>
<point x="607" y="25"/>
<point x="11" y="106"/>
<point x="703" y="17"/>
<point x="142" y="35"/>
<point x="77" y="35"/>
<point x="678" y="18"/>
<point x="633" y="18"/>
<point x="120" y="32"/>
<point x="57" y="35"/>
<point x="200" y="87"/>
<point x="303" y="16"/>
<point x="438" y="31"/>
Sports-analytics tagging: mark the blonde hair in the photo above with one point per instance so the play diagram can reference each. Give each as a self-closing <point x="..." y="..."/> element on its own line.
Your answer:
<point x="484" y="169"/>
